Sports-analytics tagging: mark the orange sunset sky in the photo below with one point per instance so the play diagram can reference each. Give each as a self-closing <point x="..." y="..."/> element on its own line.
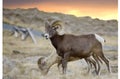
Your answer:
<point x="103" y="9"/>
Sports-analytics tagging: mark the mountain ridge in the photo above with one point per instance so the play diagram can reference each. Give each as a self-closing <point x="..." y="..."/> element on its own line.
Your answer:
<point x="35" y="18"/>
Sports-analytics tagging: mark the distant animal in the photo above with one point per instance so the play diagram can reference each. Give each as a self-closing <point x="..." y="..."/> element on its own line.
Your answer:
<point x="20" y="30"/>
<point x="24" y="33"/>
<point x="68" y="45"/>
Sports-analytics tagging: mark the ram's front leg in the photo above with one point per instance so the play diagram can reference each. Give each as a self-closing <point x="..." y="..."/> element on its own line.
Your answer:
<point x="59" y="63"/>
<point x="64" y="62"/>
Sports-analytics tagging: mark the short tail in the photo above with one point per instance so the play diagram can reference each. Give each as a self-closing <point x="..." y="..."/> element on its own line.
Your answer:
<point x="100" y="39"/>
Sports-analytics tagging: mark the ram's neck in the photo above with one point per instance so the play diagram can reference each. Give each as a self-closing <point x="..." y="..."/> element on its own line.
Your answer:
<point x="56" y="40"/>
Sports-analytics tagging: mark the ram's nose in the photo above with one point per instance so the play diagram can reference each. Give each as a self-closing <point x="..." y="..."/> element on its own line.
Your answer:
<point x="46" y="36"/>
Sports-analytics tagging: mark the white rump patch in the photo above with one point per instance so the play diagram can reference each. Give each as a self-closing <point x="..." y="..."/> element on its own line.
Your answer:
<point x="100" y="39"/>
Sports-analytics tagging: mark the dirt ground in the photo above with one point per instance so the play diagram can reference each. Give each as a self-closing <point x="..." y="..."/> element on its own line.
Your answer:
<point x="20" y="60"/>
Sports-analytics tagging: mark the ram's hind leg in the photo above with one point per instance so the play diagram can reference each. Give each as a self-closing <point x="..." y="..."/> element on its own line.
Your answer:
<point x="98" y="64"/>
<point x="105" y="60"/>
<point x="98" y="52"/>
<point x="89" y="65"/>
<point x="91" y="62"/>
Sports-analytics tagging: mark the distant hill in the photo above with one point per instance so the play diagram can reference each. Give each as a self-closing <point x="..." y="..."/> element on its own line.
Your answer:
<point x="35" y="19"/>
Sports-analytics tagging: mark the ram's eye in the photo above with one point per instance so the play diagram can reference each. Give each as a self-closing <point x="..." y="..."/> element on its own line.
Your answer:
<point x="54" y="28"/>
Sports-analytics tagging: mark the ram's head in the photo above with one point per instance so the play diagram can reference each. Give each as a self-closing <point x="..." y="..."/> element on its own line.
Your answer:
<point x="51" y="28"/>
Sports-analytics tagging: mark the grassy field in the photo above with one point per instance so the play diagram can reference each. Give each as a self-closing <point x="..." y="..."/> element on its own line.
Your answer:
<point x="20" y="60"/>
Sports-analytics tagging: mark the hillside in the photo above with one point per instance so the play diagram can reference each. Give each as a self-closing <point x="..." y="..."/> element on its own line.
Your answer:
<point x="35" y="19"/>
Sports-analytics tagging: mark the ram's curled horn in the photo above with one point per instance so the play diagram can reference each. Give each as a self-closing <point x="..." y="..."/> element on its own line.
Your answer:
<point x="57" y="23"/>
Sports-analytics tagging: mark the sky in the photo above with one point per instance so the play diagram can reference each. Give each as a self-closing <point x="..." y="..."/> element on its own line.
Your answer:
<point x="102" y="9"/>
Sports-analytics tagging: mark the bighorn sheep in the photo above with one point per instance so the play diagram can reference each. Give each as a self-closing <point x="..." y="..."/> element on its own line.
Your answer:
<point x="68" y="45"/>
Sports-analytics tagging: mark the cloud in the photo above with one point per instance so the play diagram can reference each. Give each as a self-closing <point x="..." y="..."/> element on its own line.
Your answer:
<point x="19" y="2"/>
<point x="98" y="2"/>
